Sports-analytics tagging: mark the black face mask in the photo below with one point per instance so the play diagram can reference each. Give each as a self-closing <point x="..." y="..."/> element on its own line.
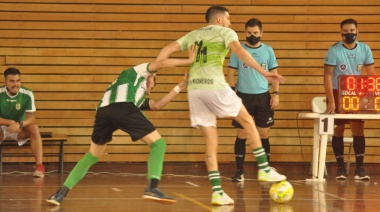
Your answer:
<point x="253" y="40"/>
<point x="349" y="37"/>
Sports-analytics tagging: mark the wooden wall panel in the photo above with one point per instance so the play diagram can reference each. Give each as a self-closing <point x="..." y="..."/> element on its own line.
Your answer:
<point x="70" y="50"/>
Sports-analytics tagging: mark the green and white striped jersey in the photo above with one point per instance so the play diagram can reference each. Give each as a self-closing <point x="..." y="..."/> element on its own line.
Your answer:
<point x="130" y="86"/>
<point x="14" y="107"/>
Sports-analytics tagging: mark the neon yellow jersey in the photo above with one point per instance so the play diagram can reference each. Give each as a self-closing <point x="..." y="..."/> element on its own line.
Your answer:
<point x="207" y="70"/>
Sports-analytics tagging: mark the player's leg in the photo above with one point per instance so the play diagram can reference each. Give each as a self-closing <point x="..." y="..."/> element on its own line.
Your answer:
<point x="240" y="141"/>
<point x="33" y="133"/>
<point x="155" y="165"/>
<point x="264" y="136"/>
<point x="219" y="197"/>
<point x="264" y="118"/>
<point x="78" y="172"/>
<point x="357" y="128"/>
<point x="101" y="135"/>
<point x="253" y="138"/>
<point x="204" y="106"/>
<point x="239" y="150"/>
<point x="338" y="148"/>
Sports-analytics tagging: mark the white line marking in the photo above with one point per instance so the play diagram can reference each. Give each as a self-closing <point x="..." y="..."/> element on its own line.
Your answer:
<point x="116" y="189"/>
<point x="193" y="184"/>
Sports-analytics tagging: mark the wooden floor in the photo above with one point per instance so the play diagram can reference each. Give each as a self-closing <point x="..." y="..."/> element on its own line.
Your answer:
<point x="108" y="188"/>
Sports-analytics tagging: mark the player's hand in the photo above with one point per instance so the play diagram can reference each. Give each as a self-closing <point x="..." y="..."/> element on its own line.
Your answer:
<point x="15" y="127"/>
<point x="274" y="101"/>
<point x="183" y="83"/>
<point x="193" y="52"/>
<point x="330" y="108"/>
<point x="274" y="77"/>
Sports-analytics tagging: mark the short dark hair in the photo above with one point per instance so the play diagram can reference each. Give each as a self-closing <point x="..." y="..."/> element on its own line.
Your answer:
<point x="253" y="22"/>
<point x="349" y="21"/>
<point x="11" y="71"/>
<point x="214" y="10"/>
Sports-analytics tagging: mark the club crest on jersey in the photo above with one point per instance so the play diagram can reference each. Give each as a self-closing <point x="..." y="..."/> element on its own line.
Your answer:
<point x="18" y="106"/>
<point x="343" y="67"/>
<point x="245" y="65"/>
<point x="359" y="68"/>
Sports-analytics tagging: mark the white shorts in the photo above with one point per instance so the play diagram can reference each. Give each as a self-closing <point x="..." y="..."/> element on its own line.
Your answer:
<point x="12" y="136"/>
<point x="206" y="105"/>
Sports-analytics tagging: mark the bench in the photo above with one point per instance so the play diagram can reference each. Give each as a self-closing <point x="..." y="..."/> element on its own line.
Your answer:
<point x="47" y="140"/>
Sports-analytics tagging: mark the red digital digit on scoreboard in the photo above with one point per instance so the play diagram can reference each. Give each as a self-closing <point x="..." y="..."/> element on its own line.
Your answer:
<point x="359" y="93"/>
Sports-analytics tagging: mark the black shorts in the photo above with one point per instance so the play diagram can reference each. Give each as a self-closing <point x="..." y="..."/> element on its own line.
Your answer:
<point x="341" y="121"/>
<point x="258" y="106"/>
<point x="124" y="116"/>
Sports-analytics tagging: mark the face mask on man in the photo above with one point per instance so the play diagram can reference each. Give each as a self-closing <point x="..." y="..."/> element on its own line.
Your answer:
<point x="253" y="40"/>
<point x="349" y="37"/>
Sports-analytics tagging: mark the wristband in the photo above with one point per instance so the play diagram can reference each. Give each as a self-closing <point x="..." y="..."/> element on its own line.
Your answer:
<point x="20" y="123"/>
<point x="177" y="89"/>
<point x="276" y="92"/>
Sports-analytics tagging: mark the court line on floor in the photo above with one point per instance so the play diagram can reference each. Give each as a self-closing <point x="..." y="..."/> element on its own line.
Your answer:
<point x="194" y="201"/>
<point x="192" y="184"/>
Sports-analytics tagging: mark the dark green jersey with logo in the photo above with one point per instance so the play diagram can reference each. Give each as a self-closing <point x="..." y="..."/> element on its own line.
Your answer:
<point x="14" y="107"/>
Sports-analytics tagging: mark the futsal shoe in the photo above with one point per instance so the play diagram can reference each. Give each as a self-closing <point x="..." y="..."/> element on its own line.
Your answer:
<point x="40" y="171"/>
<point x="238" y="177"/>
<point x="341" y="174"/>
<point x="361" y="175"/>
<point x="271" y="176"/>
<point x="58" y="196"/>
<point x="55" y="199"/>
<point x="224" y="208"/>
<point x="220" y="200"/>
<point x="156" y="195"/>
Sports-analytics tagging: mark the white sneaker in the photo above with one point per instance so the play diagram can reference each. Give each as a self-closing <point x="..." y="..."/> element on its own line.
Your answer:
<point x="223" y="199"/>
<point x="271" y="176"/>
<point x="224" y="208"/>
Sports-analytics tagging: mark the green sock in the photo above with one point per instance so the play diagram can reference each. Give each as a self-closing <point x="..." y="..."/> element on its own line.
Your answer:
<point x="80" y="170"/>
<point x="261" y="159"/>
<point x="215" y="181"/>
<point x="156" y="159"/>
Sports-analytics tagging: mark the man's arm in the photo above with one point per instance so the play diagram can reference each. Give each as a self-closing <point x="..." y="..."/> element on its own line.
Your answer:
<point x="16" y="126"/>
<point x="168" y="62"/>
<point x="29" y="119"/>
<point x="157" y="105"/>
<point x="168" y="50"/>
<point x="231" y="77"/>
<point x="236" y="47"/>
<point x="275" y="100"/>
<point x="370" y="69"/>
<point x="328" y="73"/>
<point x="6" y="122"/>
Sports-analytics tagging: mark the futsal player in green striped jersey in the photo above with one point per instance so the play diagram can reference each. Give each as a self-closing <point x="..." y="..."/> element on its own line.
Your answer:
<point x="120" y="108"/>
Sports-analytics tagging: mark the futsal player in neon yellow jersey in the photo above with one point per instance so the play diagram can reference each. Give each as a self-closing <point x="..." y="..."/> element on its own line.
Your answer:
<point x="210" y="96"/>
<point x="120" y="108"/>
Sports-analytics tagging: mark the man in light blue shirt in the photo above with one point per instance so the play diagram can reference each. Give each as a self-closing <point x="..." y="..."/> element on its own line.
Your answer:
<point x="253" y="89"/>
<point x="347" y="57"/>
